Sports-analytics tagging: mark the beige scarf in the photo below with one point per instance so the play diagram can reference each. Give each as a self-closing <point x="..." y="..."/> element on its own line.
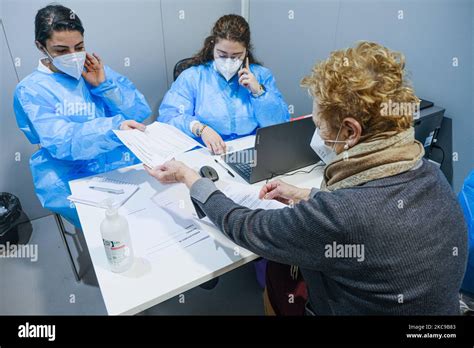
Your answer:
<point x="387" y="154"/>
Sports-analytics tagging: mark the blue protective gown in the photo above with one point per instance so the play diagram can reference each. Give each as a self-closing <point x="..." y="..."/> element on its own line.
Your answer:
<point x="73" y="122"/>
<point x="201" y="93"/>
<point x="466" y="199"/>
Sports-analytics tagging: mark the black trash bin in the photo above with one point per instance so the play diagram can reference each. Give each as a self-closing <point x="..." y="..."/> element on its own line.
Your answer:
<point x="10" y="212"/>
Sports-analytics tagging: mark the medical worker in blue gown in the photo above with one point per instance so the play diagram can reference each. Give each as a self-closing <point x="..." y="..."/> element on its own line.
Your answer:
<point x="224" y="93"/>
<point x="70" y="106"/>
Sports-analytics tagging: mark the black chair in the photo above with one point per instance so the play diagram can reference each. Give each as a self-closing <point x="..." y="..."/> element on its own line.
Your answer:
<point x="180" y="67"/>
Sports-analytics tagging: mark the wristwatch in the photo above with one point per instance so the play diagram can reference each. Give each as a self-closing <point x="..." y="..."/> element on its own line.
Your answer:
<point x="200" y="129"/>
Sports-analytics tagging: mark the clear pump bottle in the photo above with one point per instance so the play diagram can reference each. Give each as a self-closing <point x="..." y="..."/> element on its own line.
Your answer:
<point x="116" y="239"/>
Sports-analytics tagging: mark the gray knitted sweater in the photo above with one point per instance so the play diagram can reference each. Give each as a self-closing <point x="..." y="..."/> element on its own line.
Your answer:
<point x="396" y="245"/>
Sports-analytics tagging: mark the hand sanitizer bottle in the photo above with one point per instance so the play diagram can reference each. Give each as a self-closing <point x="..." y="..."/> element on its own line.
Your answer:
<point x="116" y="238"/>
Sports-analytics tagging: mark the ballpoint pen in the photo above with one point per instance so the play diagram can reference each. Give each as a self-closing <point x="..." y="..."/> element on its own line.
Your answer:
<point x="106" y="189"/>
<point x="227" y="170"/>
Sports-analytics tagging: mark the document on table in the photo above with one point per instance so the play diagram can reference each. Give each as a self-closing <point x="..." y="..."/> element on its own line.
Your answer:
<point x="159" y="143"/>
<point x="164" y="227"/>
<point x="244" y="195"/>
<point x="179" y="239"/>
<point x="247" y="196"/>
<point x="96" y="190"/>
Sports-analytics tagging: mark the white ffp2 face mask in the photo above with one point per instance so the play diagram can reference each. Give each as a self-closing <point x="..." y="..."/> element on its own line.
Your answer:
<point x="326" y="153"/>
<point x="71" y="64"/>
<point x="228" y="67"/>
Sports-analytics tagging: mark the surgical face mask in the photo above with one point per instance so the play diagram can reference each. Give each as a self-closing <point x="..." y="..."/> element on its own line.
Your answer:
<point x="326" y="153"/>
<point x="228" y="67"/>
<point x="71" y="64"/>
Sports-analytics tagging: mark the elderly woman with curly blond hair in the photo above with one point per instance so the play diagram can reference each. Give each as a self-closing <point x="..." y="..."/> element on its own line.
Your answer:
<point x="384" y="234"/>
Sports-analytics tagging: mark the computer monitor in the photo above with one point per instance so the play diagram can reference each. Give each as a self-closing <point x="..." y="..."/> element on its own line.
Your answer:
<point x="278" y="149"/>
<point x="427" y="125"/>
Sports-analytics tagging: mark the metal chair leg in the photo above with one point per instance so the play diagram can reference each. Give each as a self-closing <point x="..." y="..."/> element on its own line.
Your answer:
<point x="62" y="232"/>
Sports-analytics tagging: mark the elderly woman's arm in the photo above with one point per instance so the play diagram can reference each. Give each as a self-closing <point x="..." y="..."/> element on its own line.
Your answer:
<point x="296" y="235"/>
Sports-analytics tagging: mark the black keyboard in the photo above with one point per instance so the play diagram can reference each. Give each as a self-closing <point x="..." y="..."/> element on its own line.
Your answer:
<point x="240" y="162"/>
<point x="244" y="169"/>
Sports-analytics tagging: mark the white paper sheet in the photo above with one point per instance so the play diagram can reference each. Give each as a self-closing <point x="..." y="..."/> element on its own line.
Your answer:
<point x="167" y="229"/>
<point x="177" y="240"/>
<point x="157" y="144"/>
<point x="247" y="196"/>
<point x="83" y="194"/>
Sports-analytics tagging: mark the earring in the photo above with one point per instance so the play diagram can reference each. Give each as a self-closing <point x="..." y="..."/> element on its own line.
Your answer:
<point x="345" y="155"/>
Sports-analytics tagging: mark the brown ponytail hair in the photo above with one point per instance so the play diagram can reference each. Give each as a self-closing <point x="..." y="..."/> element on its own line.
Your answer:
<point x="230" y="27"/>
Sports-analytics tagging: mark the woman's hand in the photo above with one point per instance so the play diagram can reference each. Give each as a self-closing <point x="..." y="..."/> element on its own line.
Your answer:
<point x="283" y="192"/>
<point x="213" y="141"/>
<point x="248" y="79"/>
<point x="132" y="124"/>
<point x="94" y="73"/>
<point x="174" y="172"/>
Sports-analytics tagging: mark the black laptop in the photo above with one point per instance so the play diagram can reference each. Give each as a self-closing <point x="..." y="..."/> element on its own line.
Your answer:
<point x="278" y="149"/>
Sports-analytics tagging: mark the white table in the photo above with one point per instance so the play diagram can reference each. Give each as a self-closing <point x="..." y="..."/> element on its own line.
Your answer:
<point x="152" y="281"/>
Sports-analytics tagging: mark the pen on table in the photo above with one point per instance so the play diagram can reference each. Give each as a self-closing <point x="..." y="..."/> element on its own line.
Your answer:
<point x="227" y="170"/>
<point x="105" y="189"/>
